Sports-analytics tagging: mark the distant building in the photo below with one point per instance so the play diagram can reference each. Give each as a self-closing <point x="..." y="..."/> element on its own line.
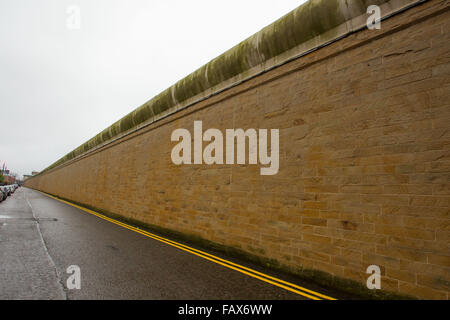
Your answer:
<point x="9" y="179"/>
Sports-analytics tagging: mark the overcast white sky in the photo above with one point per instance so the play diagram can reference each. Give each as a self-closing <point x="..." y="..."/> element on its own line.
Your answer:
<point x="60" y="87"/>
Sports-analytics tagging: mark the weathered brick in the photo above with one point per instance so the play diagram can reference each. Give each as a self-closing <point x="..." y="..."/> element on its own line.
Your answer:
<point x="316" y="239"/>
<point x="405" y="232"/>
<point x="422" y="291"/>
<point x="315" y="221"/>
<point x="401" y="275"/>
<point x="443" y="260"/>
<point x="401" y="253"/>
<point x="435" y="282"/>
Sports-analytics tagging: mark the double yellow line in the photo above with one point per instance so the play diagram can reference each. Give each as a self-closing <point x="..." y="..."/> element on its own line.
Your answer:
<point x="310" y="294"/>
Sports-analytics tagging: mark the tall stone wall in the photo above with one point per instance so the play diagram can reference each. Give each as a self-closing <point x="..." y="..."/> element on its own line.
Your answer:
<point x="364" y="174"/>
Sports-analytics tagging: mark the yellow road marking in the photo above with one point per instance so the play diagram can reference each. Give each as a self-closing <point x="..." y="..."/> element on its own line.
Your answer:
<point x="228" y="264"/>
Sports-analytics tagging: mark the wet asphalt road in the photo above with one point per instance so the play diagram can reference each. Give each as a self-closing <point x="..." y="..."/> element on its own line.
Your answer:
<point x="41" y="237"/>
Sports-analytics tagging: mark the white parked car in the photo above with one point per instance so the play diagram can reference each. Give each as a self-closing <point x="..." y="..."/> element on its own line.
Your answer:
<point x="7" y="190"/>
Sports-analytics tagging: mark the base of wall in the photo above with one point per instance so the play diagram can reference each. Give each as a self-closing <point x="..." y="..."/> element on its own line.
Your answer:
<point x="321" y="278"/>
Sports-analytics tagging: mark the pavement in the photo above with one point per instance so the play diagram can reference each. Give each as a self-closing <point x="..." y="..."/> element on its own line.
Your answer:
<point x="40" y="238"/>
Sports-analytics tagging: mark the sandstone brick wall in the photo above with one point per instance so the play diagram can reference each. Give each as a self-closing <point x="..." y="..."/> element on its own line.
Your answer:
<point x="364" y="173"/>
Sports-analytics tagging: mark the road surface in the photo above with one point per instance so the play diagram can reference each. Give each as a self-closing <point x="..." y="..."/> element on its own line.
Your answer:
<point x="41" y="237"/>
